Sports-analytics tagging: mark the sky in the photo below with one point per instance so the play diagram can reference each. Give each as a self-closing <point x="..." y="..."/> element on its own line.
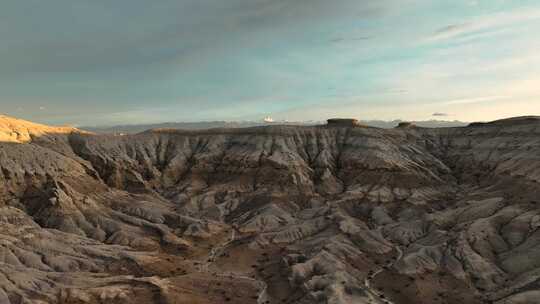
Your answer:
<point x="106" y="62"/>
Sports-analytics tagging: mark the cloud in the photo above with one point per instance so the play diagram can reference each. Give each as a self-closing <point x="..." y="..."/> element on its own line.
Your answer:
<point x="440" y="114"/>
<point x="214" y="59"/>
<point x="452" y="28"/>
<point x="473" y="100"/>
<point x="342" y="39"/>
<point x="486" y="23"/>
<point x="133" y="34"/>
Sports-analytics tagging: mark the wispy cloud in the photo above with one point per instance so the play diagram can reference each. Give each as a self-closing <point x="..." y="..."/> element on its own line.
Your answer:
<point x="345" y="39"/>
<point x="473" y="100"/>
<point x="453" y="28"/>
<point x="485" y="23"/>
<point x="439" y="114"/>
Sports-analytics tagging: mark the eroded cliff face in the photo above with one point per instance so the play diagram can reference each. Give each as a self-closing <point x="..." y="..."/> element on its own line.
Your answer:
<point x="273" y="215"/>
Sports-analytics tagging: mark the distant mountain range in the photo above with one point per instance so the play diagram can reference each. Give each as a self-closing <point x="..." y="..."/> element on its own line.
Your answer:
<point x="130" y="129"/>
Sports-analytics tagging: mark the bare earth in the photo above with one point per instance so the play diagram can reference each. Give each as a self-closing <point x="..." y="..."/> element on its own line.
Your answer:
<point x="279" y="214"/>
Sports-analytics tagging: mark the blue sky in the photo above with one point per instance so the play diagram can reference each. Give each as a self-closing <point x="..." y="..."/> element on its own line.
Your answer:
<point x="103" y="62"/>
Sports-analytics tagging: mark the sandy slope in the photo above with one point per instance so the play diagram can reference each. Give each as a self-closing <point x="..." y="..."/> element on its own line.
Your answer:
<point x="18" y="130"/>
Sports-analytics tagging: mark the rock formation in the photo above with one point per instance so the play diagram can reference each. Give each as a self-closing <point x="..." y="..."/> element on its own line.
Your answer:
<point x="406" y="124"/>
<point x="343" y="122"/>
<point x="276" y="214"/>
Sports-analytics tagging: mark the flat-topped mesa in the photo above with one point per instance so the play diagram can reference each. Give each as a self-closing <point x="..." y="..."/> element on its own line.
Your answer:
<point x="343" y="122"/>
<point x="405" y="125"/>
